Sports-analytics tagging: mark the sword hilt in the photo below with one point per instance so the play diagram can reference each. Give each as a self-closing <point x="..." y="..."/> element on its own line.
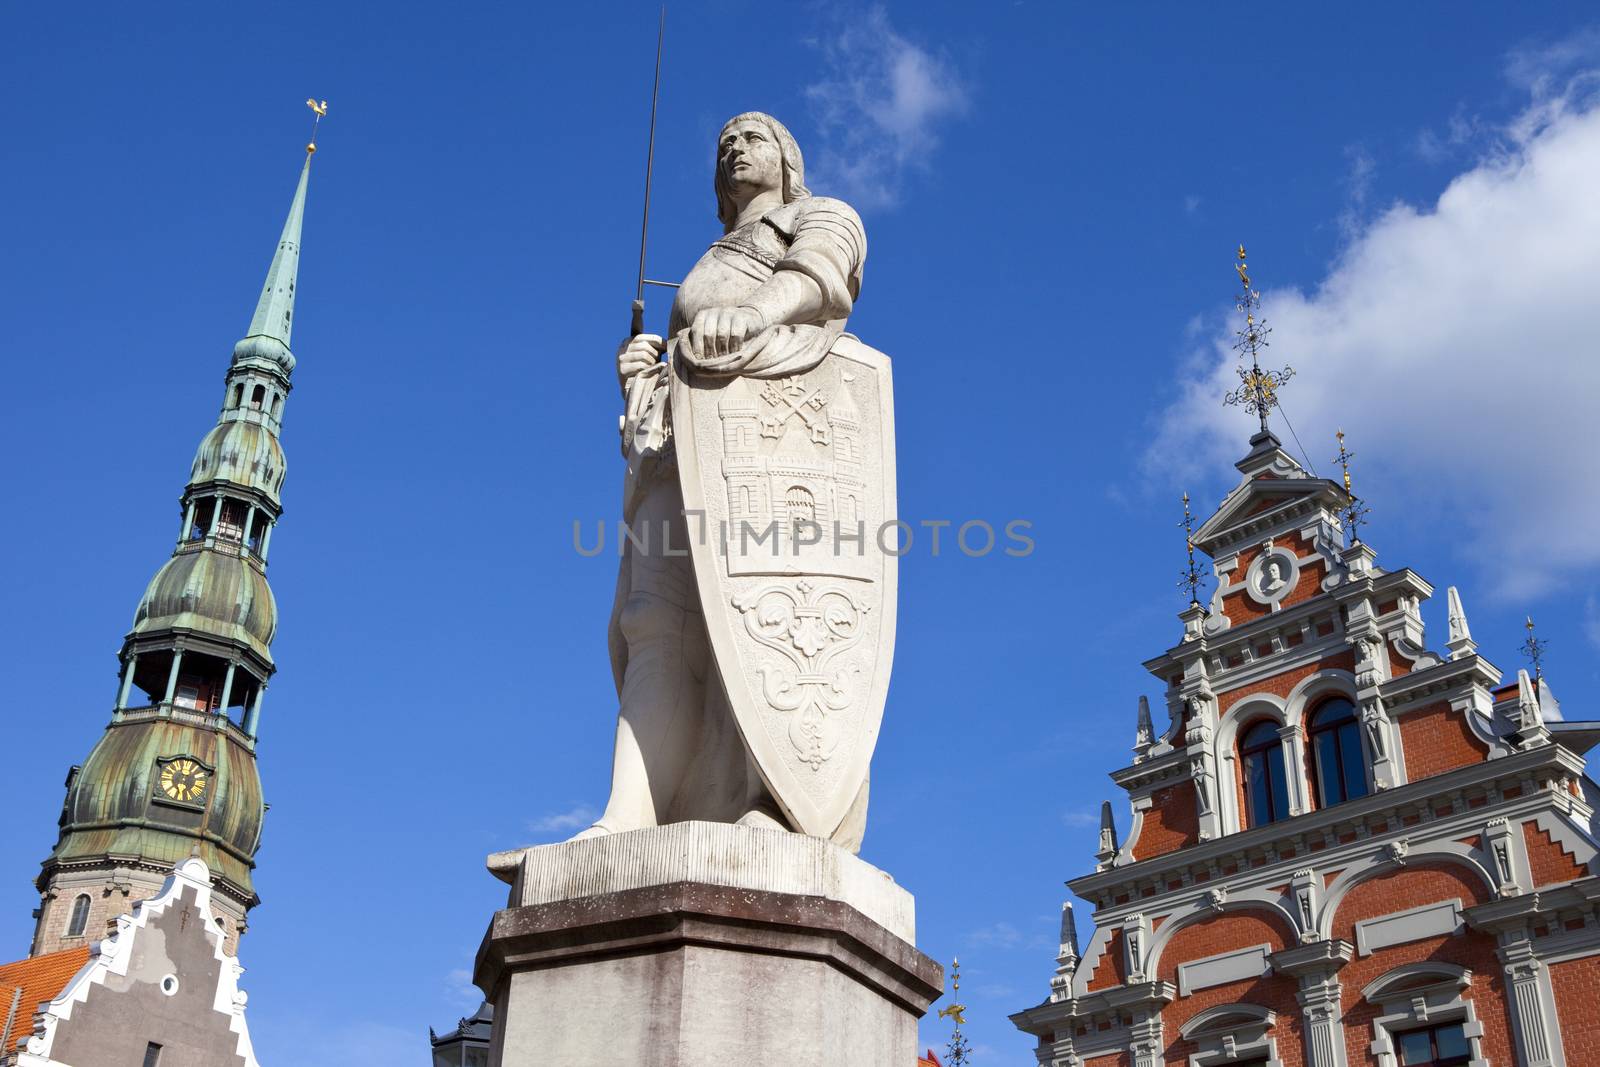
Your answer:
<point x="636" y="326"/>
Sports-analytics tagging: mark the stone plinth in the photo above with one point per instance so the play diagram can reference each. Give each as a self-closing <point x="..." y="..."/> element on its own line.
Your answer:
<point x="702" y="944"/>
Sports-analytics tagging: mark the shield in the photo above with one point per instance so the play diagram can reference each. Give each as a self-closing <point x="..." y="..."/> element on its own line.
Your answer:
<point x="789" y="489"/>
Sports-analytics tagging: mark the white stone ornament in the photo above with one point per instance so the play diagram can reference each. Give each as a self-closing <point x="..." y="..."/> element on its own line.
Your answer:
<point x="1272" y="575"/>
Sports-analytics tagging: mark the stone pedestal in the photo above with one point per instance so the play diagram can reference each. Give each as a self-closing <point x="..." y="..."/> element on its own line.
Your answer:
<point x="702" y="945"/>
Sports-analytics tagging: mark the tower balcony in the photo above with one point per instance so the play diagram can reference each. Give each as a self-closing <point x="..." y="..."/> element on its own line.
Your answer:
<point x="177" y="712"/>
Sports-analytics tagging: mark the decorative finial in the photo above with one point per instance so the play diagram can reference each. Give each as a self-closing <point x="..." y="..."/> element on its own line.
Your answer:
<point x="1533" y="648"/>
<point x="1066" y="956"/>
<point x="1354" y="515"/>
<point x="1144" y="734"/>
<point x="320" y="110"/>
<point x="1190" y="579"/>
<point x="1460" y="643"/>
<point x="959" y="1052"/>
<point x="1258" y="391"/>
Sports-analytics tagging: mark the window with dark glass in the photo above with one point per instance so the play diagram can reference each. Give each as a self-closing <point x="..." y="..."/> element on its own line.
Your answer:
<point x="80" y="916"/>
<point x="1437" y="1046"/>
<point x="1266" y="788"/>
<point x="152" y="1055"/>
<point x="1341" y="772"/>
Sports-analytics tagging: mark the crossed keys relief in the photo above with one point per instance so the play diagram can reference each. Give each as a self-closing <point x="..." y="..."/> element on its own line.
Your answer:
<point x="812" y="628"/>
<point x="791" y="397"/>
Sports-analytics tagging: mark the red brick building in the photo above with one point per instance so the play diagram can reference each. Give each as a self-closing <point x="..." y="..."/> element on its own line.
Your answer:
<point x="1344" y="848"/>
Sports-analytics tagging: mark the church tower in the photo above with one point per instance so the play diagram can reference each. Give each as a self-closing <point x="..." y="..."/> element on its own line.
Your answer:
<point x="174" y="774"/>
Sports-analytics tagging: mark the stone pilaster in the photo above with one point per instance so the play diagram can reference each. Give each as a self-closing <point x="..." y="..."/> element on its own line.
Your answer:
<point x="1147" y="1039"/>
<point x="1532" y="1001"/>
<point x="1316" y="964"/>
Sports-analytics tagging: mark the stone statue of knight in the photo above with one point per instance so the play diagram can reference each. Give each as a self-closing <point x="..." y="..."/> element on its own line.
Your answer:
<point x="763" y="406"/>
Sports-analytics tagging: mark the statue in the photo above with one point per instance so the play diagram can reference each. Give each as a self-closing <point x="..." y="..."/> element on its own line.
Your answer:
<point x="752" y="668"/>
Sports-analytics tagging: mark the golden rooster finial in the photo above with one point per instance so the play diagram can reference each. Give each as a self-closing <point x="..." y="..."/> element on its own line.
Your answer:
<point x="320" y="109"/>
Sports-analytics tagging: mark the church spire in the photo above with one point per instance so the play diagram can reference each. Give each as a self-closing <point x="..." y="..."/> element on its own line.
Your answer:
<point x="175" y="769"/>
<point x="270" y="326"/>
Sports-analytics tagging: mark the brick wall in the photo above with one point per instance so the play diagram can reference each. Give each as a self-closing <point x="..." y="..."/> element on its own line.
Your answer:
<point x="1413" y="887"/>
<point x="1577" y="986"/>
<point x="1549" y="862"/>
<point x="1438" y="739"/>
<point x="1224" y="933"/>
<point x="1280" y="685"/>
<point x="1172" y="822"/>
<point x="1110" y="970"/>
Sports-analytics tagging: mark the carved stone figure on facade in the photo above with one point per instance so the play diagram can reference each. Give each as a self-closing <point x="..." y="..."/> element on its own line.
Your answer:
<point x="1200" y="771"/>
<point x="1376" y="722"/>
<point x="751" y="681"/>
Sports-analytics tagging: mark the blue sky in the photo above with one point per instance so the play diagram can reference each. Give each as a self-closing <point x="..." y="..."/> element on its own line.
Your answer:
<point x="1052" y="196"/>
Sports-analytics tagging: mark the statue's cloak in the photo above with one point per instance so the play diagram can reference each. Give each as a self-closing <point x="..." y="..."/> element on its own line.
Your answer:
<point x="789" y="489"/>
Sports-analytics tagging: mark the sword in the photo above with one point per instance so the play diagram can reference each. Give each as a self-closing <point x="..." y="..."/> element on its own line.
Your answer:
<point x="637" y="393"/>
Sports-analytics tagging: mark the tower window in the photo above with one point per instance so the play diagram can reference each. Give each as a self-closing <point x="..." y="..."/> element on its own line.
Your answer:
<point x="238" y="394"/>
<point x="80" y="916"/>
<point x="202" y="519"/>
<point x="1266" y="788"/>
<point x="1336" y="753"/>
<point x="231" y="528"/>
<point x="258" y="396"/>
<point x="277" y="405"/>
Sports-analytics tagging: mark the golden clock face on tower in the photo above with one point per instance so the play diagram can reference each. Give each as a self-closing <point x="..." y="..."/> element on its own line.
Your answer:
<point x="184" y="779"/>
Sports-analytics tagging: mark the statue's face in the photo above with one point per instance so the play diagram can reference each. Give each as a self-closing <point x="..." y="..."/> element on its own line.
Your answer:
<point x="750" y="158"/>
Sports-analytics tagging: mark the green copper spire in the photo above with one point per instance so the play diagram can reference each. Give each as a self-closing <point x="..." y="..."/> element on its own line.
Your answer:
<point x="274" y="318"/>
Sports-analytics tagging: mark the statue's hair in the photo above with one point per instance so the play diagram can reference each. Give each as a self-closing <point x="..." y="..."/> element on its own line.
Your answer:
<point x="794" y="167"/>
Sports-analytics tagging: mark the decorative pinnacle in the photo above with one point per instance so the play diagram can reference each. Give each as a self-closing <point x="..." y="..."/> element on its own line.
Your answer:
<point x="958" y="1048"/>
<point x="1191" y="579"/>
<point x="320" y="110"/>
<point x="1258" y="389"/>
<point x="1533" y="648"/>
<point x="1355" y="514"/>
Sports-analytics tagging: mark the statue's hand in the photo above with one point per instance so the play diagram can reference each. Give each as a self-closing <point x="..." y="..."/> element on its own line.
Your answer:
<point x="638" y="354"/>
<point x="716" y="335"/>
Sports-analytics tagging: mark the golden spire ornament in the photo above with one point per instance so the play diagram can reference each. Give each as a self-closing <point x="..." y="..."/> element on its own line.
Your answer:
<point x="320" y="109"/>
<point x="1533" y="648"/>
<point x="1191" y="579"/>
<point x="1354" y="515"/>
<point x="958" y="1052"/>
<point x="1258" y="389"/>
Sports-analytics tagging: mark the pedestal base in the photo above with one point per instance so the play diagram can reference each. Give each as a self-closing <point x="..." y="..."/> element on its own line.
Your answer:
<point x="722" y="968"/>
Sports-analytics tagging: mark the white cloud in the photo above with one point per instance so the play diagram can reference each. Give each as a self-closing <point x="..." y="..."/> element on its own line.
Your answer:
<point x="1081" y="818"/>
<point x="1458" y="343"/>
<point x="1591" y="620"/>
<point x="460" y="990"/>
<point x="998" y="935"/>
<point x="569" y="821"/>
<point x="876" y="105"/>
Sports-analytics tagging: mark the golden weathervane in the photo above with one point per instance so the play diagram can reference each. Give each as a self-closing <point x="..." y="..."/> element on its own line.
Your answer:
<point x="1258" y="389"/>
<point x="1354" y="515"/>
<point x="320" y="110"/>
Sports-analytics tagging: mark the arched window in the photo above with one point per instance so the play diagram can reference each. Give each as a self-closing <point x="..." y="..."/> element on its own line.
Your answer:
<point x="1266" y="789"/>
<point x="258" y="396"/>
<point x="238" y="395"/>
<point x="801" y="504"/>
<point x="1336" y="753"/>
<point x="80" y="916"/>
